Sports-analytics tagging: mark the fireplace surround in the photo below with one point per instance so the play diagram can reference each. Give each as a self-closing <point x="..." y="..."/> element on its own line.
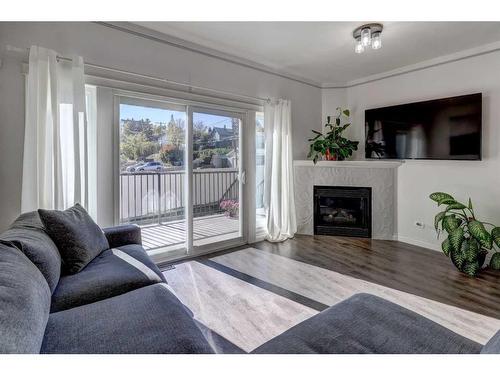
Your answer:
<point x="343" y="211"/>
<point x="381" y="176"/>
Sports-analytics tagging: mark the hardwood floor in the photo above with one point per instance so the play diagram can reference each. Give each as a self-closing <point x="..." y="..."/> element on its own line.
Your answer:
<point x="396" y="265"/>
<point x="243" y="313"/>
<point x="252" y="293"/>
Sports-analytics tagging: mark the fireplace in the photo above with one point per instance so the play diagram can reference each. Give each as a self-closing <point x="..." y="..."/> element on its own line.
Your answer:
<point x="343" y="211"/>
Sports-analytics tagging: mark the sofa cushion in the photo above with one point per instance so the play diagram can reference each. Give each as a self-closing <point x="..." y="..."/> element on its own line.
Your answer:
<point x="493" y="345"/>
<point x="121" y="235"/>
<point x="28" y="234"/>
<point x="113" y="272"/>
<point x="368" y="324"/>
<point x="146" y="320"/>
<point x="24" y="303"/>
<point x="78" y="238"/>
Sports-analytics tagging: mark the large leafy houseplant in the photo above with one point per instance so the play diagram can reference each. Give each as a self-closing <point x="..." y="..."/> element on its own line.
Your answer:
<point x="468" y="240"/>
<point x="332" y="144"/>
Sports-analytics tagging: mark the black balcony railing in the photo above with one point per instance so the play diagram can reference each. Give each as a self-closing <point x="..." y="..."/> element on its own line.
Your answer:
<point x="148" y="197"/>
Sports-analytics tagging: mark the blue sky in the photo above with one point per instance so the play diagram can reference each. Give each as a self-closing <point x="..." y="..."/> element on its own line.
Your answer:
<point x="163" y="115"/>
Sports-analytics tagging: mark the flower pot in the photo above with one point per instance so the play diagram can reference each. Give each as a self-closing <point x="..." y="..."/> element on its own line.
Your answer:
<point x="232" y="214"/>
<point x="330" y="156"/>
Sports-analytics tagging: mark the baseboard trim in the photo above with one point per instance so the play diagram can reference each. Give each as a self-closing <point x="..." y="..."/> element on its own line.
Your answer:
<point x="420" y="243"/>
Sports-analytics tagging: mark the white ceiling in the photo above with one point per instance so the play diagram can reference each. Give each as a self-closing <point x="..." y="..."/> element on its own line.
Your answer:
<point x="323" y="52"/>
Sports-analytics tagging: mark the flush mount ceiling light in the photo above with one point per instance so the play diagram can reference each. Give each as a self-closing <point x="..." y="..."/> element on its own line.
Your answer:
<point x="368" y="35"/>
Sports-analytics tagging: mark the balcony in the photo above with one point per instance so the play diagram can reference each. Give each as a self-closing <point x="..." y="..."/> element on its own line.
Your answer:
<point x="172" y="234"/>
<point x="155" y="201"/>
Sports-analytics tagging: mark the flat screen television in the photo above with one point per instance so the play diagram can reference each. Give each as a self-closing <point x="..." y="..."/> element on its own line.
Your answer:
<point x="442" y="129"/>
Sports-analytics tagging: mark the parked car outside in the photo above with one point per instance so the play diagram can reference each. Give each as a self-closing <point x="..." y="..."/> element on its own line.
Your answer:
<point x="151" y="166"/>
<point x="133" y="168"/>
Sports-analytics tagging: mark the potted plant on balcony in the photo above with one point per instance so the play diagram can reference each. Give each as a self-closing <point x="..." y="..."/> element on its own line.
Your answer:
<point x="332" y="145"/>
<point x="231" y="207"/>
<point x="468" y="240"/>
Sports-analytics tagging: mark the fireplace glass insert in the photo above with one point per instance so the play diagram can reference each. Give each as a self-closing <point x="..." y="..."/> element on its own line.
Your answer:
<point x="343" y="211"/>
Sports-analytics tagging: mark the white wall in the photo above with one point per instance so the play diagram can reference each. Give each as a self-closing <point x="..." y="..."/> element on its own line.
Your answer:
<point x="330" y="100"/>
<point x="109" y="47"/>
<point x="417" y="179"/>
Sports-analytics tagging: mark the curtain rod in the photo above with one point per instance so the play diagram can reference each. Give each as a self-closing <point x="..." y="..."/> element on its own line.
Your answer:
<point x="25" y="51"/>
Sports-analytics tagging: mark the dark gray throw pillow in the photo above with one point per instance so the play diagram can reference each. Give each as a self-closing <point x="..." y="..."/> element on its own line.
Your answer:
<point x="78" y="238"/>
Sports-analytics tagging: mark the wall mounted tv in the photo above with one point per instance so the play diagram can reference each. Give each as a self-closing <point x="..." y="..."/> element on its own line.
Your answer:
<point x="442" y="129"/>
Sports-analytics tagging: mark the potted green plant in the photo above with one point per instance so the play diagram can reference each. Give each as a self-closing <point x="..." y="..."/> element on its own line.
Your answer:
<point x="468" y="240"/>
<point x="332" y="145"/>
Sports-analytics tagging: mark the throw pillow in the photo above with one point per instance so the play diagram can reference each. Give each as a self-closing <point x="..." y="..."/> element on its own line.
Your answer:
<point x="78" y="238"/>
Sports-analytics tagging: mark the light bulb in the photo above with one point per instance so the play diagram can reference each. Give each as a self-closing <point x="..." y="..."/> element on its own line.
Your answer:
<point x="376" y="40"/>
<point x="366" y="37"/>
<point x="359" y="46"/>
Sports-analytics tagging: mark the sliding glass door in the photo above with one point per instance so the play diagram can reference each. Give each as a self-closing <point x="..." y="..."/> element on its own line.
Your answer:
<point x="152" y="171"/>
<point x="216" y="176"/>
<point x="180" y="175"/>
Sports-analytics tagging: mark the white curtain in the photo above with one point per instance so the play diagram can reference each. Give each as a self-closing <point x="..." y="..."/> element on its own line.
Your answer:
<point x="278" y="176"/>
<point x="55" y="140"/>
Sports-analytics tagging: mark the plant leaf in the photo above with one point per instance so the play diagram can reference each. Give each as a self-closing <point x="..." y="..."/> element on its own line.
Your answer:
<point x="346" y="112"/>
<point x="470" y="250"/>
<point x="446" y="247"/>
<point x="440" y="197"/>
<point x="495" y="234"/>
<point x="456" y="238"/>
<point x="438" y="218"/>
<point x="479" y="232"/>
<point x="475" y="245"/>
<point x="313" y="139"/>
<point x="471" y="268"/>
<point x="447" y="201"/>
<point x="470" y="204"/>
<point x="495" y="261"/>
<point x="450" y="223"/>
<point x="455" y="206"/>
<point x="458" y="258"/>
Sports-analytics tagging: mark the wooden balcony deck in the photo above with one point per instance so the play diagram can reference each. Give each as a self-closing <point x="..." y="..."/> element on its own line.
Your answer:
<point x="207" y="229"/>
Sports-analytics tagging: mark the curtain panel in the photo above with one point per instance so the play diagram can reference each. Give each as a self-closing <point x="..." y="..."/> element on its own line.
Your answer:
<point x="279" y="200"/>
<point x="55" y="156"/>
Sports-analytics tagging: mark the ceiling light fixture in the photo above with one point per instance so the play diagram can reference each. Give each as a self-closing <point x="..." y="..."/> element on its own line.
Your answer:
<point x="366" y="35"/>
<point x="359" y="46"/>
<point x="376" y="40"/>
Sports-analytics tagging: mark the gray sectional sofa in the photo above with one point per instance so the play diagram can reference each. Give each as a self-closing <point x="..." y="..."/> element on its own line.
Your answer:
<point x="367" y="324"/>
<point x="121" y="303"/>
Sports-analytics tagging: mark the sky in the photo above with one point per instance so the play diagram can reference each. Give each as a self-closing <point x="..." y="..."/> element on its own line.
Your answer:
<point x="163" y="115"/>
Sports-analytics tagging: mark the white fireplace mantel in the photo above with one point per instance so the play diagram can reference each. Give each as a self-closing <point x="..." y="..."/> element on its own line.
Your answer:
<point x="350" y="163"/>
<point x="379" y="175"/>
